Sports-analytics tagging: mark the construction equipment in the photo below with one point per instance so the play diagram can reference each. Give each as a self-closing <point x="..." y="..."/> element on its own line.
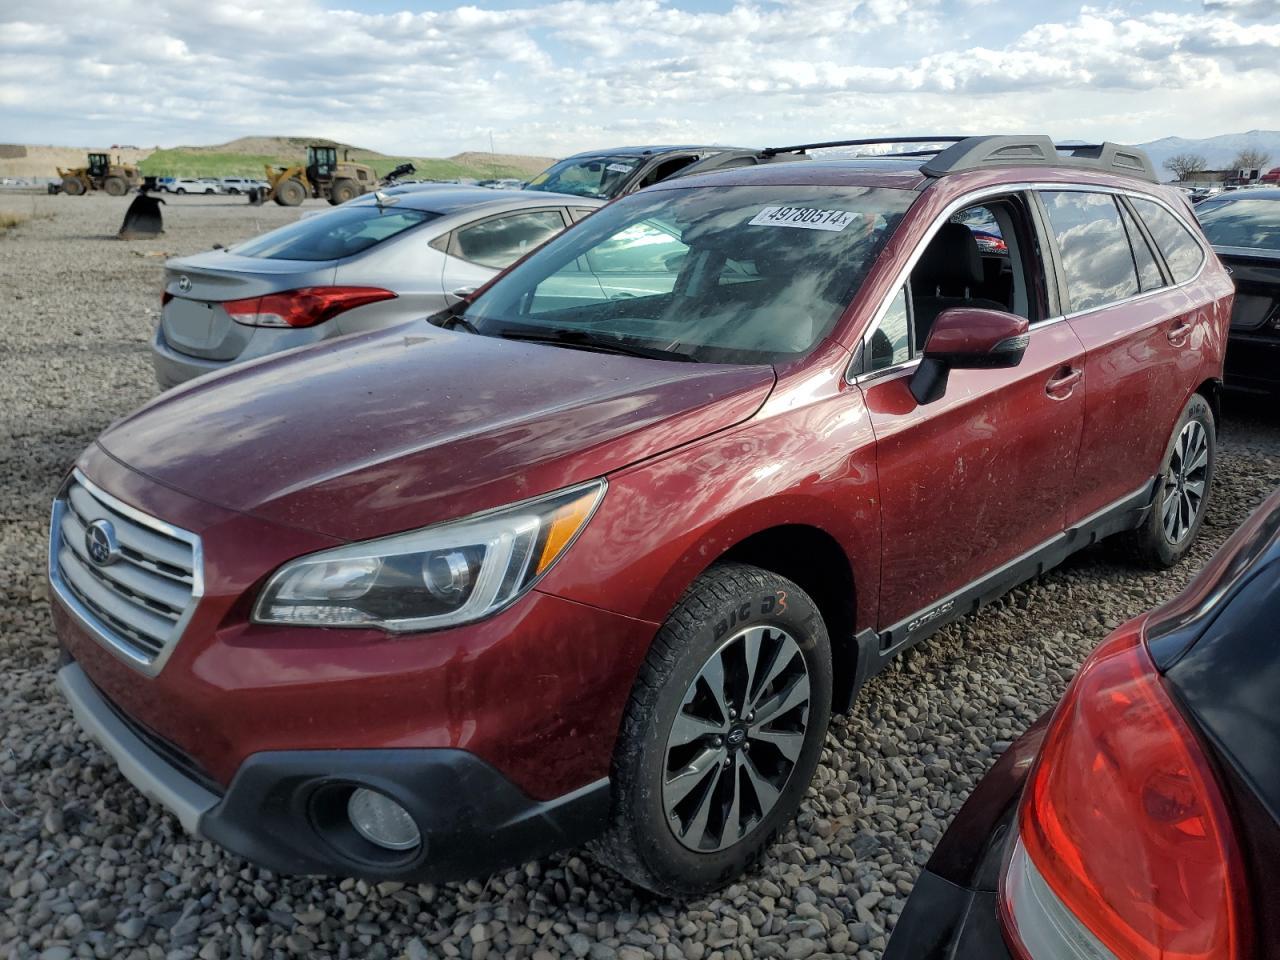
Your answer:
<point x="116" y="179"/>
<point x="323" y="176"/>
<point x="142" y="220"/>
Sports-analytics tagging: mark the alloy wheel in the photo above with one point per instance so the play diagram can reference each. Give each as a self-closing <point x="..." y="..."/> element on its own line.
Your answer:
<point x="736" y="739"/>
<point x="1185" y="482"/>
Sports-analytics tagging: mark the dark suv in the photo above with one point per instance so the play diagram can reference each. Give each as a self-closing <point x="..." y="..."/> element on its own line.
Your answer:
<point x="606" y="174"/>
<point x="595" y="556"/>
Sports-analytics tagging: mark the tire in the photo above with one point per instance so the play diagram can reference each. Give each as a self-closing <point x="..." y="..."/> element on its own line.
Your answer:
<point x="291" y="193"/>
<point x="659" y="836"/>
<point x="181" y="191"/>
<point x="234" y="191"/>
<point x="115" y="186"/>
<point x="72" y="186"/>
<point x="342" y="191"/>
<point x="1176" y="515"/>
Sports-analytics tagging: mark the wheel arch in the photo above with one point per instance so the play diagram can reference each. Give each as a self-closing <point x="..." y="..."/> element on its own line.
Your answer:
<point x="814" y="560"/>
<point x="1211" y="390"/>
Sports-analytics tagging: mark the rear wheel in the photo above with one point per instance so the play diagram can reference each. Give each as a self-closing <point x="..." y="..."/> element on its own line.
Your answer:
<point x="1182" y="490"/>
<point x="722" y="733"/>
<point x="73" y="186"/>
<point x="182" y="190"/>
<point x="343" y="190"/>
<point x="115" y="186"/>
<point x="291" y="193"/>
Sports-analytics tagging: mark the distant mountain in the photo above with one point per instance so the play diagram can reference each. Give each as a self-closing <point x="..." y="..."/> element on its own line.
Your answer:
<point x="1218" y="151"/>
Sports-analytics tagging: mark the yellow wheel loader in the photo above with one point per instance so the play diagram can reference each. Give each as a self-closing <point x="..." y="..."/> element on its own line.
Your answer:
<point x="116" y="179"/>
<point x="323" y="176"/>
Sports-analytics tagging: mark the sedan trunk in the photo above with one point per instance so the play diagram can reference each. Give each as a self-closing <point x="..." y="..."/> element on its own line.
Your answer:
<point x="193" y="319"/>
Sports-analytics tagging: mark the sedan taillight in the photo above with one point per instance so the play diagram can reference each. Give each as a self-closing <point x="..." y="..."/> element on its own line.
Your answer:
<point x="302" y="308"/>
<point x="1125" y="847"/>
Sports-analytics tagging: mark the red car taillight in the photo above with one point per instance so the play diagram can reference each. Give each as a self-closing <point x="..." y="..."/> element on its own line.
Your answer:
<point x="1125" y="846"/>
<point x="302" y="308"/>
<point x="165" y="297"/>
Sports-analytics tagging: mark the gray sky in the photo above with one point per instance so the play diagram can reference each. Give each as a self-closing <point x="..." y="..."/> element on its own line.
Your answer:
<point x="550" y="78"/>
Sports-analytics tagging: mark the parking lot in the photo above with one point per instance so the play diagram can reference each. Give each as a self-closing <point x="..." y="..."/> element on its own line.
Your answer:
<point x="93" y="869"/>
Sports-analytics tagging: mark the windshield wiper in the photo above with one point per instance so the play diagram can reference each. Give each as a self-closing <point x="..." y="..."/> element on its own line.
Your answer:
<point x="582" y="340"/>
<point x="452" y="317"/>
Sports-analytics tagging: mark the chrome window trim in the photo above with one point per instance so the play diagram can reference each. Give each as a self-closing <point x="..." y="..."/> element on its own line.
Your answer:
<point x="88" y="619"/>
<point x="984" y="193"/>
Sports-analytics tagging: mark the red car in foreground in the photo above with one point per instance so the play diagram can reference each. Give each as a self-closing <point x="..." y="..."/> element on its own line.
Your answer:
<point x="1142" y="819"/>
<point x="595" y="556"/>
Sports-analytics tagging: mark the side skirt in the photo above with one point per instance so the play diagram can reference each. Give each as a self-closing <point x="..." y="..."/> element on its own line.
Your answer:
<point x="876" y="649"/>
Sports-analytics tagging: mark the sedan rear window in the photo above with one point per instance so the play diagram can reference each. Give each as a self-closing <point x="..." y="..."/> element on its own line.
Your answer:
<point x="732" y="275"/>
<point x="342" y="232"/>
<point x="1243" y="223"/>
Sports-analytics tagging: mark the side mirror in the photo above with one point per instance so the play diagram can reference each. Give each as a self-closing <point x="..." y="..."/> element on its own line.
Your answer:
<point x="968" y="338"/>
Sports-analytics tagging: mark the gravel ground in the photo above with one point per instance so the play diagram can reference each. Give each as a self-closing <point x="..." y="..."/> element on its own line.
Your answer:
<point x="90" y="869"/>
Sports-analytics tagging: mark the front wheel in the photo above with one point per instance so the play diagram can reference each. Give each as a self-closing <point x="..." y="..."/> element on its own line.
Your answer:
<point x="182" y="191"/>
<point x="290" y="193"/>
<point x="722" y="733"/>
<point x="1182" y="489"/>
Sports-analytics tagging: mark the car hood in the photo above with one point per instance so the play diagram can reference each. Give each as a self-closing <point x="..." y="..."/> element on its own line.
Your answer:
<point x="378" y="433"/>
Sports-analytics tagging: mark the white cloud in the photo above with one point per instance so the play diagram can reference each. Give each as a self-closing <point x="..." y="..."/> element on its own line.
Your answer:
<point x="551" y="78"/>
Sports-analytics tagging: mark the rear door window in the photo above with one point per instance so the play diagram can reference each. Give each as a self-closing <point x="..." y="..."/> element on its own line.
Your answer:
<point x="501" y="241"/>
<point x="1096" y="257"/>
<point x="1181" y="251"/>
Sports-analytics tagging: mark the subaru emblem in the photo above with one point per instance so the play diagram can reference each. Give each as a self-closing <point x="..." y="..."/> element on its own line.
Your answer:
<point x="101" y="544"/>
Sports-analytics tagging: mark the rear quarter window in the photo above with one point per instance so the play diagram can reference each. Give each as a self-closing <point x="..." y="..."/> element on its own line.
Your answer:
<point x="1181" y="251"/>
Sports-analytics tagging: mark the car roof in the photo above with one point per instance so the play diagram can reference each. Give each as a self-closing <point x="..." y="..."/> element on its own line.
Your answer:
<point x="448" y="198"/>
<point x="649" y="150"/>
<point x="1248" y="193"/>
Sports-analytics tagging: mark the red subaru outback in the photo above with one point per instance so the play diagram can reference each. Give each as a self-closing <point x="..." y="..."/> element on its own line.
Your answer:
<point x="595" y="556"/>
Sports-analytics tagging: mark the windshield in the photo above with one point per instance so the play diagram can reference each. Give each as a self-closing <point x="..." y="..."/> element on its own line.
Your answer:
<point x="599" y="177"/>
<point x="341" y="232"/>
<point x="731" y="275"/>
<point x="1253" y="223"/>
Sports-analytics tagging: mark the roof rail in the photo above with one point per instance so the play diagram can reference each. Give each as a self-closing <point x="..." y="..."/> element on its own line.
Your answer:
<point x="975" y="153"/>
<point x="872" y="141"/>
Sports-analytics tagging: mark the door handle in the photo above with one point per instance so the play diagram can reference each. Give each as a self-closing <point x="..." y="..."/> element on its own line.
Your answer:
<point x="1180" y="331"/>
<point x="1063" y="383"/>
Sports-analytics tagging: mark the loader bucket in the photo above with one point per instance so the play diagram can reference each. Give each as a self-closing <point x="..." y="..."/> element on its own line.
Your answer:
<point x="142" y="219"/>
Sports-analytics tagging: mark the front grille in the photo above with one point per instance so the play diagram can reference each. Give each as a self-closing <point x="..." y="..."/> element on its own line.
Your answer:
<point x="140" y="600"/>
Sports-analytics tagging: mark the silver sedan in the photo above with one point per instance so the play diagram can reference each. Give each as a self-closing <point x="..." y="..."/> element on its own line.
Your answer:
<point x="374" y="262"/>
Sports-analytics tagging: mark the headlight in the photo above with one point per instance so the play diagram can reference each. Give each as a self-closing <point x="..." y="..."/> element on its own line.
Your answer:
<point x="439" y="576"/>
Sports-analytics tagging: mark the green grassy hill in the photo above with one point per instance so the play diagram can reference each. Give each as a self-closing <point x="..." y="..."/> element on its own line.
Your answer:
<point x="188" y="162"/>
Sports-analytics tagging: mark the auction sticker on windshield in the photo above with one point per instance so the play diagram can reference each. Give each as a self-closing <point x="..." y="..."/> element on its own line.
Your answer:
<point x="806" y="218"/>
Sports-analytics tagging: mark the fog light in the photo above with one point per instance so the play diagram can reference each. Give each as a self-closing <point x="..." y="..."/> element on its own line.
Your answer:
<point x="381" y="820"/>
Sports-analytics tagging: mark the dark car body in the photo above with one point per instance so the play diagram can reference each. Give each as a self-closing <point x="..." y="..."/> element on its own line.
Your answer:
<point x="822" y="464"/>
<point x="1213" y="647"/>
<point x="1244" y="228"/>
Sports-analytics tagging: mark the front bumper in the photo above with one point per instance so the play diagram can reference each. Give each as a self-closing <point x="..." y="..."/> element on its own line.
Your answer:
<point x="283" y="809"/>
<point x="952" y="911"/>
